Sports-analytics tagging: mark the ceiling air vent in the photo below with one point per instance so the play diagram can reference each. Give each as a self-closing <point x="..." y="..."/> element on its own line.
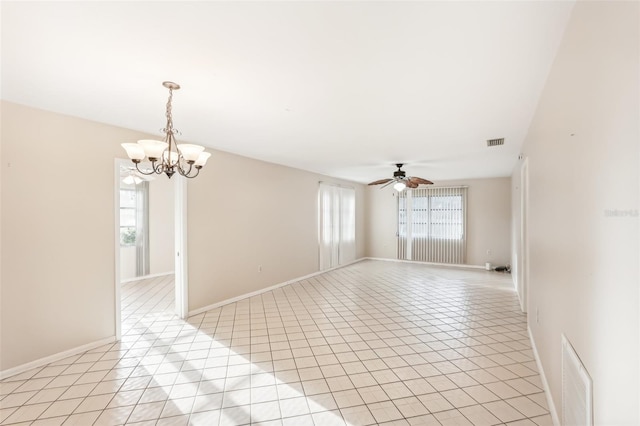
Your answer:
<point x="495" y="142"/>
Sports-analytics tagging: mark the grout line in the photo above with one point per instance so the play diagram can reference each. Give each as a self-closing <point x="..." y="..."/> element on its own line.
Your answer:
<point x="450" y="319"/>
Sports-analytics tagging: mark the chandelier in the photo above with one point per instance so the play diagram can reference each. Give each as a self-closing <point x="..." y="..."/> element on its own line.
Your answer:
<point x="168" y="156"/>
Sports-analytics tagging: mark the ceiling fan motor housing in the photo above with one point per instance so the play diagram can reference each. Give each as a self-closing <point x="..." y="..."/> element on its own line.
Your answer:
<point x="398" y="174"/>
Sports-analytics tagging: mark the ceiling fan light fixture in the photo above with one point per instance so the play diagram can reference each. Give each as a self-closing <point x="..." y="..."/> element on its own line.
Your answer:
<point x="132" y="180"/>
<point x="167" y="156"/>
<point x="399" y="186"/>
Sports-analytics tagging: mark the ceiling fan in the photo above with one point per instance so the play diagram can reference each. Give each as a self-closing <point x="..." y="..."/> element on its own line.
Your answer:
<point x="401" y="181"/>
<point x="130" y="176"/>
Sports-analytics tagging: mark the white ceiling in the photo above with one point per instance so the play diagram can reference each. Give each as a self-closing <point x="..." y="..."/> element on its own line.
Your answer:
<point x="341" y="88"/>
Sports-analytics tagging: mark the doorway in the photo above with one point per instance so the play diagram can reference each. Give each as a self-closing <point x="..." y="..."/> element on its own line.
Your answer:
<point x="523" y="267"/>
<point x="150" y="218"/>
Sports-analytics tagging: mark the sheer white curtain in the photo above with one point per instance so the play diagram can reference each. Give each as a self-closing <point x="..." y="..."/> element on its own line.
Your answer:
<point x="142" y="229"/>
<point x="347" y="245"/>
<point x="336" y="225"/>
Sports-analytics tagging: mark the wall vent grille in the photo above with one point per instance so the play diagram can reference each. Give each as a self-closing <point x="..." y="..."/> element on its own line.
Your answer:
<point x="495" y="142"/>
<point x="577" y="389"/>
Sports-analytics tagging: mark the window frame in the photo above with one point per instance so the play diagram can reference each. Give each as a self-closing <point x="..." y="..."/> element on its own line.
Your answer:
<point x="134" y="209"/>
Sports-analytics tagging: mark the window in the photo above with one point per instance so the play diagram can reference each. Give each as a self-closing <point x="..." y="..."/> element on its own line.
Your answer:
<point x="337" y="225"/>
<point x="433" y="216"/>
<point x="431" y="224"/>
<point x="128" y="217"/>
<point x="134" y="228"/>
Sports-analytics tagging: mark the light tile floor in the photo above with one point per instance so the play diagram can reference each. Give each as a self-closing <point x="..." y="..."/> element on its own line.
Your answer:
<point x="374" y="343"/>
<point x="144" y="298"/>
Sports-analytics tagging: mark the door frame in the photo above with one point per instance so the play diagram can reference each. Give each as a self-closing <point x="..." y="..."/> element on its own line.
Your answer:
<point x="180" y="246"/>
<point x="523" y="270"/>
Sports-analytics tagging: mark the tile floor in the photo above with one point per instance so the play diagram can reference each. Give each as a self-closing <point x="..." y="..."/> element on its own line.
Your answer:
<point x="374" y="343"/>
<point x="150" y="297"/>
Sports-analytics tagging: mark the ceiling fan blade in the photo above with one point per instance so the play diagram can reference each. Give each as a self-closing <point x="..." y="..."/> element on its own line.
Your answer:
<point x="420" y="181"/>
<point x="147" y="178"/>
<point x="388" y="183"/>
<point x="411" y="184"/>
<point x="378" y="182"/>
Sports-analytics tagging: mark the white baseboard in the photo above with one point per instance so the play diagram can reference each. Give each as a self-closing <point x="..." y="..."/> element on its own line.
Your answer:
<point x="448" y="265"/>
<point x="144" y="277"/>
<point x="264" y="290"/>
<point x="545" y="384"/>
<point x="55" y="357"/>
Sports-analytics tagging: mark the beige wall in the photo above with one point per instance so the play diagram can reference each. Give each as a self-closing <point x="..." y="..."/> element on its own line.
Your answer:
<point x="382" y="217"/>
<point x="488" y="220"/>
<point x="583" y="152"/>
<point x="243" y="214"/>
<point x="58" y="230"/>
<point x="517" y="256"/>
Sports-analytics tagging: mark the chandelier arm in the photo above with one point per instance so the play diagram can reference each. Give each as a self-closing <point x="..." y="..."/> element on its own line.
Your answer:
<point x="161" y="168"/>
<point x="188" y="172"/>
<point x="171" y="140"/>
<point x="191" y="177"/>
<point x="146" y="173"/>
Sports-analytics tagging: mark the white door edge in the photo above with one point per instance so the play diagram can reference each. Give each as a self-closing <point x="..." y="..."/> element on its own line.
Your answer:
<point x="181" y="265"/>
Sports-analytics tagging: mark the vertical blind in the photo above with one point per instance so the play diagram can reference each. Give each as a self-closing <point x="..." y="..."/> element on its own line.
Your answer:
<point x="142" y="229"/>
<point x="336" y="225"/>
<point x="432" y="225"/>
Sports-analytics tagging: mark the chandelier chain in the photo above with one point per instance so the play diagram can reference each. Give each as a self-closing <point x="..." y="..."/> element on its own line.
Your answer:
<point x="169" y="128"/>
